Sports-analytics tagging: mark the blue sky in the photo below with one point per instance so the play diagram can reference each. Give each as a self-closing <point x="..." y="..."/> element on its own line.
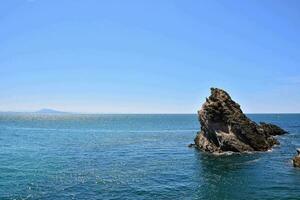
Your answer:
<point x="148" y="56"/>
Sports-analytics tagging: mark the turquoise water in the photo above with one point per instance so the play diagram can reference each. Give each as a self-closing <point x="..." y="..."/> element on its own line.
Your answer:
<point x="136" y="157"/>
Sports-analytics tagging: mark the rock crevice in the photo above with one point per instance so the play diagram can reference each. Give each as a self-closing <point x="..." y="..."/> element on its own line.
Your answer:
<point x="224" y="127"/>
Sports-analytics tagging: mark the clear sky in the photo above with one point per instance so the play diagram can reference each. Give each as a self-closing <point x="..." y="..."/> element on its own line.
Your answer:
<point x="148" y="56"/>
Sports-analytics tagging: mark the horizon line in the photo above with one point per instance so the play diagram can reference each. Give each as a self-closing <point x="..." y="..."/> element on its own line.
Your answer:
<point x="134" y="113"/>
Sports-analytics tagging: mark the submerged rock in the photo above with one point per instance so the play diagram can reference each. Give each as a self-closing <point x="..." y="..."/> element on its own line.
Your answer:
<point x="224" y="127"/>
<point x="296" y="159"/>
<point x="191" y="145"/>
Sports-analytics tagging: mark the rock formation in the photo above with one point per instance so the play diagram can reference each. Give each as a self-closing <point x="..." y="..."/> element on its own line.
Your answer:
<point x="224" y="127"/>
<point x="296" y="159"/>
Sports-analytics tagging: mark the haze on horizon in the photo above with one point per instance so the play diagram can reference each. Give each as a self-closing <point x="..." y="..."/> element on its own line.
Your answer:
<point x="148" y="56"/>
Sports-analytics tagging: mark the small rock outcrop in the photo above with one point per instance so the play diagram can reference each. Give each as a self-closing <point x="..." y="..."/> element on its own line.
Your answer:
<point x="224" y="127"/>
<point x="296" y="159"/>
<point x="272" y="129"/>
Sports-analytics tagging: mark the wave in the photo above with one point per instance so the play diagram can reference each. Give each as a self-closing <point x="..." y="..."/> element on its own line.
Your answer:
<point x="253" y="161"/>
<point x="294" y="126"/>
<point x="227" y="153"/>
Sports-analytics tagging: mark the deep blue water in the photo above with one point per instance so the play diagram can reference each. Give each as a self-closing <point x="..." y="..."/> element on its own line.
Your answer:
<point x="136" y="157"/>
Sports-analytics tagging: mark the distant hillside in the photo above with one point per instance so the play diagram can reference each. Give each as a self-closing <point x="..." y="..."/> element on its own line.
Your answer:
<point x="49" y="111"/>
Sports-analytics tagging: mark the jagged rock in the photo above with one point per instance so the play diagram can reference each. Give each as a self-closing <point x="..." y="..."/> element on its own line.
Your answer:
<point x="272" y="129"/>
<point x="224" y="127"/>
<point x="296" y="159"/>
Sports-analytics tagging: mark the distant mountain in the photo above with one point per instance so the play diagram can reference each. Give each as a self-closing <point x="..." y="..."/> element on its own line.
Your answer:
<point x="49" y="111"/>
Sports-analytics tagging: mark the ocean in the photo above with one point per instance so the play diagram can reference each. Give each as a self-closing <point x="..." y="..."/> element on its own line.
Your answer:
<point x="70" y="156"/>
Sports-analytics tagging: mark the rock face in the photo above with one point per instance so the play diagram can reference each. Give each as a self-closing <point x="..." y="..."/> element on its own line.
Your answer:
<point x="272" y="129"/>
<point x="296" y="159"/>
<point x="224" y="127"/>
